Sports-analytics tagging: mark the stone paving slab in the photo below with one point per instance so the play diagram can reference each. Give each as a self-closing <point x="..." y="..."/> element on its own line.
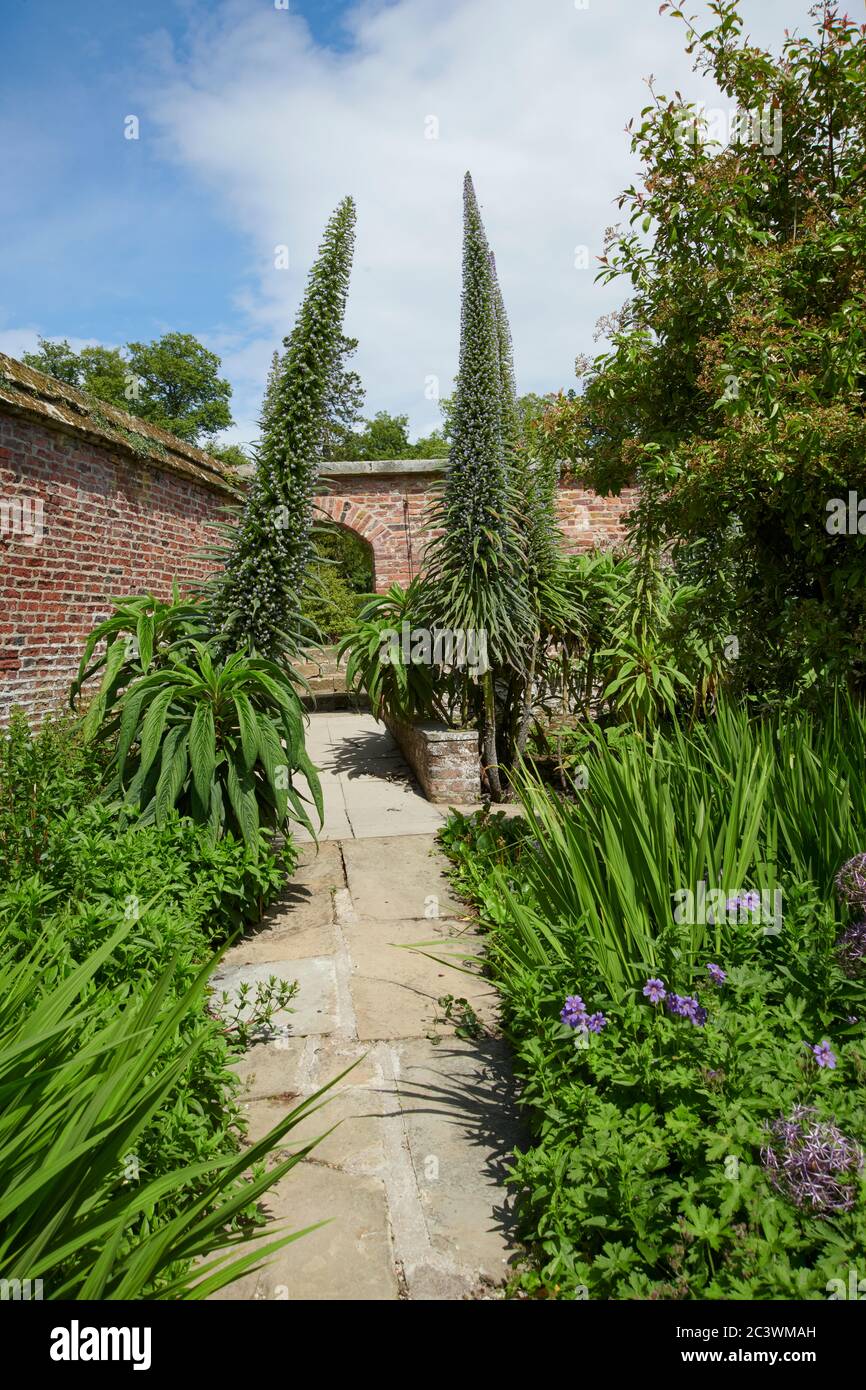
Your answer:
<point x="411" y="1173"/>
<point x="461" y="1124"/>
<point x="396" y="989"/>
<point x="348" y="1259"/>
<point x="350" y="1121"/>
<point x="367" y="788"/>
<point x="314" y="1010"/>
<point x="398" y="880"/>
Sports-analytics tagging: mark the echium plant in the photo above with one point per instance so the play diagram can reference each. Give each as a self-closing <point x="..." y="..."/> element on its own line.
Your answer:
<point x="256" y="599"/>
<point x="474" y="580"/>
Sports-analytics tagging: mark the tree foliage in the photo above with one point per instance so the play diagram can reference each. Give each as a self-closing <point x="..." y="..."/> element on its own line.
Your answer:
<point x="734" y="384"/>
<point x="172" y="382"/>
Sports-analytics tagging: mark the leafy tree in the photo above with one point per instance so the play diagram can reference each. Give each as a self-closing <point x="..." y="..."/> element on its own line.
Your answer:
<point x="431" y="446"/>
<point x="734" y="386"/>
<point x="340" y="580"/>
<point x="235" y="455"/>
<point x="386" y="436"/>
<point x="173" y="382"/>
<point x="256" y="599"/>
<point x="58" y="359"/>
<point x="181" y="390"/>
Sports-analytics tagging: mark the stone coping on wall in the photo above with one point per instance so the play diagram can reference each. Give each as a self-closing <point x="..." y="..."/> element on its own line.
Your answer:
<point x="362" y="468"/>
<point x="445" y="761"/>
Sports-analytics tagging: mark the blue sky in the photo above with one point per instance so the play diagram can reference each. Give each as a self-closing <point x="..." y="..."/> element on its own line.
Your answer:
<point x="255" y="120"/>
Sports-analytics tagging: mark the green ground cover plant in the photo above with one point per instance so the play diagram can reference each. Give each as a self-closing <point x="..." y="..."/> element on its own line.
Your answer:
<point x="693" y="1080"/>
<point x="120" y="1135"/>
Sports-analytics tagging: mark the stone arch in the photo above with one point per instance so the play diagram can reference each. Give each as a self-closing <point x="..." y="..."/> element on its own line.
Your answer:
<point x="379" y="536"/>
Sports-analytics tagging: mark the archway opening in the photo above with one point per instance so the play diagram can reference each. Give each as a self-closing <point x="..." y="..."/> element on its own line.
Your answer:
<point x="341" y="580"/>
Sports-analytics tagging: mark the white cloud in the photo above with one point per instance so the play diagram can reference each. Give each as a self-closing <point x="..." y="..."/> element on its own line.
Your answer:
<point x="532" y="98"/>
<point x="16" y="341"/>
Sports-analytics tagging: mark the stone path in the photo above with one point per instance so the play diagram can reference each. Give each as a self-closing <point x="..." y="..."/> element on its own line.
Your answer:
<point x="410" y="1179"/>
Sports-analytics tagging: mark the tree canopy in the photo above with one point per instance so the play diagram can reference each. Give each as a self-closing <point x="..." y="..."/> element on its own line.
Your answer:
<point x="733" y="390"/>
<point x="173" y="382"/>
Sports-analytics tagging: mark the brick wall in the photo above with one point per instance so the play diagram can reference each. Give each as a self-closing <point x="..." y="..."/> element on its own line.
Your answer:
<point x="95" y="505"/>
<point x="111" y="524"/>
<point x="391" y="511"/>
<point x="445" y="761"/>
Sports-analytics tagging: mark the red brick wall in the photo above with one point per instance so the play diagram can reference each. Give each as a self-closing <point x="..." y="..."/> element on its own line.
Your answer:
<point x="392" y="514"/>
<point x="111" y="525"/>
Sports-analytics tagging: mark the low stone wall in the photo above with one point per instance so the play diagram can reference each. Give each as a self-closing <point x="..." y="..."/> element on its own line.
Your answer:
<point x="445" y="761"/>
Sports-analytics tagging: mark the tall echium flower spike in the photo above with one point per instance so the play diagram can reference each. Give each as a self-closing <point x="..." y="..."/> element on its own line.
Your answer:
<point x="508" y="383"/>
<point x="256" y="600"/>
<point x="473" y="581"/>
<point x="472" y="575"/>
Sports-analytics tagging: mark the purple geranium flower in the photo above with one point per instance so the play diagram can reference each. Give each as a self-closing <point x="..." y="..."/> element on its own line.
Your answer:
<point x="573" y="1012"/>
<point x="596" y="1022"/>
<point x="687" y="1006"/>
<point x="655" y="991"/>
<point x="716" y="974"/>
<point x="747" y="902"/>
<point x="823" y="1055"/>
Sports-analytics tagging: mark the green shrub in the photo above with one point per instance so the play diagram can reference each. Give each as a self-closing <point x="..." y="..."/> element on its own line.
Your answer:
<point x="339" y="582"/>
<point x="405" y="690"/>
<point x="86" y="1077"/>
<point x="42" y="776"/>
<point x="121" y="920"/>
<point x="648" y="1175"/>
<point x="220" y="737"/>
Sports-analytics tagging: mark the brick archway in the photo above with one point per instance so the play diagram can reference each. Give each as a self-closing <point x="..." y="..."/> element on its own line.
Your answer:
<point x="389" y="505"/>
<point x="388" y="558"/>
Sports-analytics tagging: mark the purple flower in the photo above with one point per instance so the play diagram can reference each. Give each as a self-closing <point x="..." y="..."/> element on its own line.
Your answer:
<point x="716" y="974"/>
<point x="687" y="1006"/>
<point x="823" y="1055"/>
<point x="746" y="902"/>
<point x="812" y="1162"/>
<point x="851" y="950"/>
<point x="573" y="1012"/>
<point x="851" y="881"/>
<point x="596" y="1022"/>
<point x="655" y="991"/>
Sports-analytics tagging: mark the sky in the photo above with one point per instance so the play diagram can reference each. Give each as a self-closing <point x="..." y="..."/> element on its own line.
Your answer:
<point x="255" y="117"/>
